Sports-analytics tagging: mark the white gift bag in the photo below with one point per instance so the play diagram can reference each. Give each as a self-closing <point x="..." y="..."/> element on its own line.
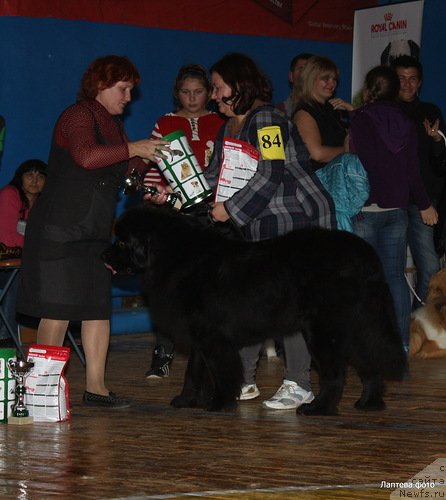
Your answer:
<point x="47" y="394"/>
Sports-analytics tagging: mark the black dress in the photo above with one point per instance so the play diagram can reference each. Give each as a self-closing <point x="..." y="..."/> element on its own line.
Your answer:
<point x="63" y="276"/>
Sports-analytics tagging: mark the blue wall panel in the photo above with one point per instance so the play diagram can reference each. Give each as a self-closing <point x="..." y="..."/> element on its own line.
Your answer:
<point x="43" y="60"/>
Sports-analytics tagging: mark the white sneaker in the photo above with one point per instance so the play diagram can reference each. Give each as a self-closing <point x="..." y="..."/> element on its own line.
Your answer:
<point x="288" y="397"/>
<point x="249" y="391"/>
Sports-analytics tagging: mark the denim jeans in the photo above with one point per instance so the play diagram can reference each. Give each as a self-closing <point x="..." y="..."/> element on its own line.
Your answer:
<point x="386" y="231"/>
<point x="421" y="244"/>
<point x="9" y="303"/>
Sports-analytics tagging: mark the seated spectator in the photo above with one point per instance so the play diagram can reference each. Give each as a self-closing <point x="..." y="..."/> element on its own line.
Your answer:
<point x="16" y="200"/>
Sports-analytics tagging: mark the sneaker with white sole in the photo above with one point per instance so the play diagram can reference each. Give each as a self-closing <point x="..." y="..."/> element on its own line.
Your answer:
<point x="249" y="391"/>
<point x="161" y="361"/>
<point x="289" y="396"/>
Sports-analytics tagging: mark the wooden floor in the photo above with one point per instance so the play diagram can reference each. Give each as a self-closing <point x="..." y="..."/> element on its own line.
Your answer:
<point x="154" y="451"/>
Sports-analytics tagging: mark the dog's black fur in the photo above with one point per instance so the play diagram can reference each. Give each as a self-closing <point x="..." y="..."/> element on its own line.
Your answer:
<point x="225" y="294"/>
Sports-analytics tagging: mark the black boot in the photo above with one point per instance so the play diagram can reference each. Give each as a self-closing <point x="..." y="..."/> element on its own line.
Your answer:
<point x="161" y="361"/>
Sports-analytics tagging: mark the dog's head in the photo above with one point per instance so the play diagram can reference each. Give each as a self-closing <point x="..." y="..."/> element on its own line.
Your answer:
<point x="159" y="238"/>
<point x="129" y="254"/>
<point x="143" y="233"/>
<point x="397" y="48"/>
<point x="437" y="286"/>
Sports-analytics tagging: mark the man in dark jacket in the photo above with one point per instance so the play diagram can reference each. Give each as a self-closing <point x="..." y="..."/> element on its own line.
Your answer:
<point x="431" y="153"/>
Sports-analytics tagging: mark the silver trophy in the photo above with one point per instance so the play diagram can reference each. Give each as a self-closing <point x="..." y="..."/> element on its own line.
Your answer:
<point x="135" y="182"/>
<point x="20" y="369"/>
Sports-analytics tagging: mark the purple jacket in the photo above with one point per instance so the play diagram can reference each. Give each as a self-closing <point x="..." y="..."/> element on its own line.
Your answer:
<point x="386" y="142"/>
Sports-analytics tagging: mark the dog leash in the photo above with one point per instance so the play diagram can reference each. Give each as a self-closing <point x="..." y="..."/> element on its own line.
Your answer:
<point x="414" y="293"/>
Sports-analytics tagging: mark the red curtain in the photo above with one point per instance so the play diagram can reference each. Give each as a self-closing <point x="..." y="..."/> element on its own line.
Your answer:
<point x="328" y="20"/>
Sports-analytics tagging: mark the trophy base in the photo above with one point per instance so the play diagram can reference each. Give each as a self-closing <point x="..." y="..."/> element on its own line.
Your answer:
<point x="20" y="420"/>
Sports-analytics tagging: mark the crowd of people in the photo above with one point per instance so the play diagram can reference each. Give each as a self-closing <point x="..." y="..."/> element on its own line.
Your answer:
<point x="397" y="138"/>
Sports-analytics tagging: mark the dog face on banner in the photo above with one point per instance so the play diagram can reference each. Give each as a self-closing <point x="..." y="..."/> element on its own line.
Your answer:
<point x="397" y="48"/>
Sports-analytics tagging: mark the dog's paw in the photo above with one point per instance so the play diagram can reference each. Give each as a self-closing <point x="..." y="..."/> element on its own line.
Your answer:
<point x="314" y="409"/>
<point x="377" y="405"/>
<point x="219" y="405"/>
<point x="214" y="407"/>
<point x="181" y="401"/>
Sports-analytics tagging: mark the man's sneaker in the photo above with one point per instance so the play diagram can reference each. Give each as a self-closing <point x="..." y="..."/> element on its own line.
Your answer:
<point x="161" y="362"/>
<point x="249" y="391"/>
<point x="288" y="397"/>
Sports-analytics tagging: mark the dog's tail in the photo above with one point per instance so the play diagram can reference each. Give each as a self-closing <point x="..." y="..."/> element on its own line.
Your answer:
<point x="387" y="352"/>
<point x="395" y="366"/>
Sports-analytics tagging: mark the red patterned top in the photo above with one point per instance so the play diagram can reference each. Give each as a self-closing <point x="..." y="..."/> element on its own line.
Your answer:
<point x="77" y="131"/>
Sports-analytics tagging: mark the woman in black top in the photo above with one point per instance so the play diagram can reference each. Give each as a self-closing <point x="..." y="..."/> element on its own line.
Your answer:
<point x="316" y="115"/>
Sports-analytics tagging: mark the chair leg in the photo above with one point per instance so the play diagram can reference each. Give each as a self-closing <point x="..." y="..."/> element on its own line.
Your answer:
<point x="15" y="337"/>
<point x="76" y="347"/>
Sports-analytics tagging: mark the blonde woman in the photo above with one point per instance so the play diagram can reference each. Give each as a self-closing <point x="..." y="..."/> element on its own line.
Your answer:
<point x="317" y="117"/>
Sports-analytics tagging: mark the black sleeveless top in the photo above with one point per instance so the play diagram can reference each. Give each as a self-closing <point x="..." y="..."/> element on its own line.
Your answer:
<point x="330" y="127"/>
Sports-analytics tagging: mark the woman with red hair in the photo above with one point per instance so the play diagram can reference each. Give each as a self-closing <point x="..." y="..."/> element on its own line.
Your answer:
<point x="63" y="276"/>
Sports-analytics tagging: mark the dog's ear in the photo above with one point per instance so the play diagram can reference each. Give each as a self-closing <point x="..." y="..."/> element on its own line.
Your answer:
<point x="139" y="252"/>
<point x="385" y="55"/>
<point x="437" y="285"/>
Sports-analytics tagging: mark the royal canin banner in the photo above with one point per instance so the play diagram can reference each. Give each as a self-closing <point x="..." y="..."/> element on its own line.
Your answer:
<point x="381" y="34"/>
<point x="327" y="20"/>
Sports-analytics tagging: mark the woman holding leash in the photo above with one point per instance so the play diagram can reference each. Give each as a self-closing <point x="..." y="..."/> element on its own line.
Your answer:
<point x="282" y="195"/>
<point x="63" y="276"/>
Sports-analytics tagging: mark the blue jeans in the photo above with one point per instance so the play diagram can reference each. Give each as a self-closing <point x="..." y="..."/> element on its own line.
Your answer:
<point x="421" y="244"/>
<point x="387" y="232"/>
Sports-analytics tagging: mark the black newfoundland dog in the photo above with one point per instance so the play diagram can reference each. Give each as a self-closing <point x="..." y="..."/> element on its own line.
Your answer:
<point x="225" y="293"/>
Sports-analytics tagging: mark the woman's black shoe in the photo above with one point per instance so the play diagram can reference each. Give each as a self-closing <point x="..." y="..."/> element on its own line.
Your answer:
<point x="110" y="401"/>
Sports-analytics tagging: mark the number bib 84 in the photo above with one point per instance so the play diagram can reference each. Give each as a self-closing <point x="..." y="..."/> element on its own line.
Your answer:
<point x="271" y="143"/>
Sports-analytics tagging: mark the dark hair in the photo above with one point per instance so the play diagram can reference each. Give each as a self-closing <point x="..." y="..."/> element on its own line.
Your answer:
<point x="382" y="84"/>
<point x="305" y="56"/>
<point x="408" y="62"/>
<point x="191" y="71"/>
<point x="33" y="165"/>
<point x="246" y="80"/>
<point x="104" y="72"/>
